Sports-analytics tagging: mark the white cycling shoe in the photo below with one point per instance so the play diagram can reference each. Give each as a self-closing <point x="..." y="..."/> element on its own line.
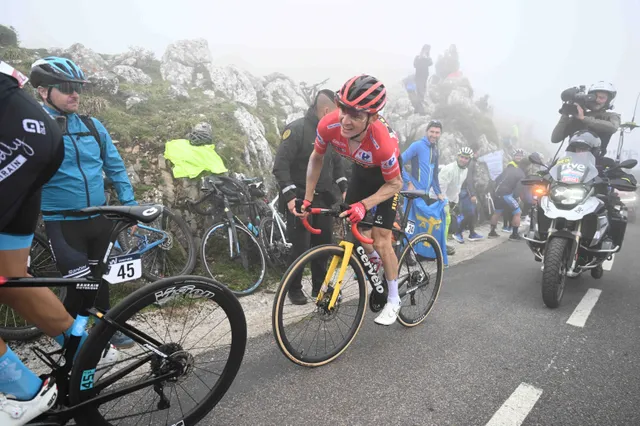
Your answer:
<point x="389" y="313"/>
<point x="110" y="356"/>
<point x="18" y="413"/>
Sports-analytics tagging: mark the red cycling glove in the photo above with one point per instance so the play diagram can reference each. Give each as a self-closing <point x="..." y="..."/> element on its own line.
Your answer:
<point x="302" y="203"/>
<point x="356" y="212"/>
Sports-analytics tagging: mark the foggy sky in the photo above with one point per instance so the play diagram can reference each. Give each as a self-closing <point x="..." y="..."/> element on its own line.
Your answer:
<point x="523" y="53"/>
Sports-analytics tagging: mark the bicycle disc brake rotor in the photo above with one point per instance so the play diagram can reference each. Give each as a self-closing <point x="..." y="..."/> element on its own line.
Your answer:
<point x="177" y="360"/>
<point x="167" y="244"/>
<point x="323" y="311"/>
<point x="417" y="280"/>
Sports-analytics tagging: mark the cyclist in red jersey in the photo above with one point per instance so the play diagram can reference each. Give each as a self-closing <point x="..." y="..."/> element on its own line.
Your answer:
<point x="357" y="132"/>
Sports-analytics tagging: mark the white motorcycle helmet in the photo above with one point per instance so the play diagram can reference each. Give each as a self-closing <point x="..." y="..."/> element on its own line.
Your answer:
<point x="584" y="140"/>
<point x="603" y="86"/>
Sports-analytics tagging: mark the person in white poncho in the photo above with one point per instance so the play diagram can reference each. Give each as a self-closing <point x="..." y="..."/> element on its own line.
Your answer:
<point x="451" y="177"/>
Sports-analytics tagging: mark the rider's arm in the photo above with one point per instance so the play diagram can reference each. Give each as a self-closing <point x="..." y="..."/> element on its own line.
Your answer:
<point x="338" y="171"/>
<point x="313" y="173"/>
<point x="285" y="156"/>
<point x="601" y="126"/>
<point x="445" y="178"/>
<point x="314" y="168"/>
<point x="114" y="168"/>
<point x="386" y="191"/>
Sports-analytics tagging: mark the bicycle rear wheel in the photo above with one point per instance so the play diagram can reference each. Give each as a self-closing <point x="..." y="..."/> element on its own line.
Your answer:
<point x="174" y="256"/>
<point x="419" y="280"/>
<point x="273" y="243"/>
<point x="240" y="264"/>
<point x="335" y="329"/>
<point x="183" y="314"/>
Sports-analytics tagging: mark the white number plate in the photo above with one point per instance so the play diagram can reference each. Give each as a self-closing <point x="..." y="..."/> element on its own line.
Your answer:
<point x="411" y="227"/>
<point x="124" y="268"/>
<point x="608" y="264"/>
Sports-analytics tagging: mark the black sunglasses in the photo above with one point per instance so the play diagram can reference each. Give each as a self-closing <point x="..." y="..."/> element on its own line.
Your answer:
<point x="68" y="87"/>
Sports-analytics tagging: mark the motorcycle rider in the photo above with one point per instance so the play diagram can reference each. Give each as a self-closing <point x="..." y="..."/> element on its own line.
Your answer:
<point x="597" y="118"/>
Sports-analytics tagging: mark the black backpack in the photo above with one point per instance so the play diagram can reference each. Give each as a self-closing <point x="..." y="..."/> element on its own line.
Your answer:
<point x="92" y="132"/>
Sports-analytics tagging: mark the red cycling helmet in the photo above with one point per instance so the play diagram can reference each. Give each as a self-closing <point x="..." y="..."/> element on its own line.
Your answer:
<point x="363" y="93"/>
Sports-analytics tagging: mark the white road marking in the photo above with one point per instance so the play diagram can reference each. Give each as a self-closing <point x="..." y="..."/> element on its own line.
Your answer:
<point x="517" y="407"/>
<point x="579" y="316"/>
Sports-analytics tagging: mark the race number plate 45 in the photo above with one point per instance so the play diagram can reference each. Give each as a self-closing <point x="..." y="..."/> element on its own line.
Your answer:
<point x="124" y="268"/>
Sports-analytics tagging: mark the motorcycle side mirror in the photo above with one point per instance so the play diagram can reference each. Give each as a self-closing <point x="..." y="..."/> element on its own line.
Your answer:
<point x="535" y="159"/>
<point x="628" y="164"/>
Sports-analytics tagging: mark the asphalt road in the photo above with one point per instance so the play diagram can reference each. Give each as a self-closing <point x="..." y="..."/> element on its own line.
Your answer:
<point x="488" y="335"/>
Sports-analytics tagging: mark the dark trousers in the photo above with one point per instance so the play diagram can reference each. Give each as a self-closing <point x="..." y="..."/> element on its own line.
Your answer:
<point x="302" y="240"/>
<point x="468" y="209"/>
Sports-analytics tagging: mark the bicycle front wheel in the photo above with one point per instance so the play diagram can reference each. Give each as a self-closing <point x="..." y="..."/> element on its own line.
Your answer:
<point x="314" y="334"/>
<point x="239" y="264"/>
<point x="198" y="335"/>
<point x="419" y="280"/>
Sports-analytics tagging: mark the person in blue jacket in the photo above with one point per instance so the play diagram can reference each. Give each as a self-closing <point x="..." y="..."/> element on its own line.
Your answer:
<point x="78" y="242"/>
<point x="424" y="158"/>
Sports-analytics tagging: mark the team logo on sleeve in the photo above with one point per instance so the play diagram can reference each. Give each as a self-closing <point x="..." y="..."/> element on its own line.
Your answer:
<point x="333" y="125"/>
<point x="388" y="164"/>
<point x="320" y="141"/>
<point x="286" y="134"/>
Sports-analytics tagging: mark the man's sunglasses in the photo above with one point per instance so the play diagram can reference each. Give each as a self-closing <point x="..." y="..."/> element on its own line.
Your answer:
<point x="68" y="87"/>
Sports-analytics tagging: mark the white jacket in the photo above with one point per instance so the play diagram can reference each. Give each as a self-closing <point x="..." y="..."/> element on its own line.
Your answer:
<point x="451" y="178"/>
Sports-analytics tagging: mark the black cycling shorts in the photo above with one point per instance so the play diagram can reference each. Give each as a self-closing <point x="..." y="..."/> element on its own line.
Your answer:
<point x="364" y="183"/>
<point x="31" y="150"/>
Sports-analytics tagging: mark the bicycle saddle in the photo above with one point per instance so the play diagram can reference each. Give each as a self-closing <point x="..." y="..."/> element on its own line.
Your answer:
<point x="414" y="193"/>
<point x="144" y="214"/>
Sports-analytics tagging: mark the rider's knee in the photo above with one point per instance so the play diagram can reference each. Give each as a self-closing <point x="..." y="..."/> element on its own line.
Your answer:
<point x="381" y="239"/>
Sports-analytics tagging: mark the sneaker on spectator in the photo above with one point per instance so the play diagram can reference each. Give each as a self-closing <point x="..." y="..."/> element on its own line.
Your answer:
<point x="474" y="236"/>
<point x="459" y="238"/>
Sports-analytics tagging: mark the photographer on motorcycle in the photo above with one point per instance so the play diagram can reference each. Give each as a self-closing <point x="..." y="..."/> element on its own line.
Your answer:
<point x="588" y="111"/>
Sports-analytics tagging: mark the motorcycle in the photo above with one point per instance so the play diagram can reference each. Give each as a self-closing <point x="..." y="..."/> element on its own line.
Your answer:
<point x="570" y="230"/>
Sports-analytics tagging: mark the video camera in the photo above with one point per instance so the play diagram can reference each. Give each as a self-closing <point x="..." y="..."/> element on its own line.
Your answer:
<point x="575" y="95"/>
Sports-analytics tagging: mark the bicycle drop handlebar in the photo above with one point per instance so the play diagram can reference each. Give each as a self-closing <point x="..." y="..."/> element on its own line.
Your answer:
<point x="334" y="213"/>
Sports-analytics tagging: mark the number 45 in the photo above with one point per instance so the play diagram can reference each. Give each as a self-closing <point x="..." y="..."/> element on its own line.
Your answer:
<point x="128" y="273"/>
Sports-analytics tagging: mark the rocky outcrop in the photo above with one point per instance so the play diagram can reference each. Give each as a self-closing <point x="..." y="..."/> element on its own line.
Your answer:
<point x="105" y="82"/>
<point x="138" y="57"/>
<point x="234" y="84"/>
<point x="181" y="59"/>
<point x="90" y="61"/>
<point x="257" y="152"/>
<point x="282" y="92"/>
<point x="132" y="75"/>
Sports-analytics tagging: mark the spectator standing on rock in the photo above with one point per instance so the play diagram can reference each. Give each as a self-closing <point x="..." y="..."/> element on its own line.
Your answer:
<point x="421" y="63"/>
<point x="290" y="170"/>
<point x="78" y="242"/>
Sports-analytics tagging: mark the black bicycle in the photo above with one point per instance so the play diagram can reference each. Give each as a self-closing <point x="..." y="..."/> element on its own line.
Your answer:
<point x="315" y="334"/>
<point x="230" y="249"/>
<point x="190" y="334"/>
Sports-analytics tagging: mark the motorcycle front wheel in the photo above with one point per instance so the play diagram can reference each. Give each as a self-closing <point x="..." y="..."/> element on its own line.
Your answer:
<point x="555" y="271"/>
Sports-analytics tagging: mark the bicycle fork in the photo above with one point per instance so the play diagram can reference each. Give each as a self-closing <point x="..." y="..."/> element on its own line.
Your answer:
<point x="348" y="249"/>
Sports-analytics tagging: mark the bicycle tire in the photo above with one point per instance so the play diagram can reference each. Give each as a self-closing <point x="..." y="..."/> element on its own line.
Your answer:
<point x="30" y="332"/>
<point x="190" y="264"/>
<point x="277" y="320"/>
<point x="99" y="337"/>
<point x="419" y="239"/>
<point x="240" y="230"/>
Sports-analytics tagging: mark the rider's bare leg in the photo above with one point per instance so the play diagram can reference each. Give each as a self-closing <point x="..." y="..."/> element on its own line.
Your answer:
<point x="383" y="245"/>
<point x="38" y="305"/>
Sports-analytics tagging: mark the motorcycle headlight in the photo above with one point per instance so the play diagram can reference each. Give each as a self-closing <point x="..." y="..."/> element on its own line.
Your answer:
<point x="568" y="195"/>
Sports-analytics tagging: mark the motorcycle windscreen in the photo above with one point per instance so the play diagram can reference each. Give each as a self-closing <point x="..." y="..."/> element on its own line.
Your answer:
<point x="575" y="167"/>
